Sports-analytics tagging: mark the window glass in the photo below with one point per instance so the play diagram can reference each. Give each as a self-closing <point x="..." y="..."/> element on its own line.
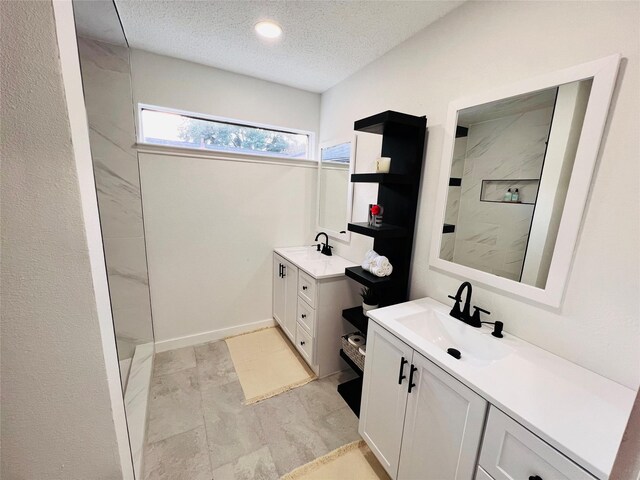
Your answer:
<point x="179" y="130"/>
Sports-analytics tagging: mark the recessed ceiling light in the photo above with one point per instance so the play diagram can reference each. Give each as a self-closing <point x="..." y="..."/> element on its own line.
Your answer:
<point x="268" y="29"/>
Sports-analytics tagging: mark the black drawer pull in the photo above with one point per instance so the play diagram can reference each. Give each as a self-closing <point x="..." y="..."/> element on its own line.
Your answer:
<point x="535" y="477"/>
<point x="411" y="384"/>
<point x="401" y="375"/>
<point x="302" y="343"/>
<point x="284" y="271"/>
<point x="304" y="287"/>
<point x="303" y="316"/>
<point x="280" y="270"/>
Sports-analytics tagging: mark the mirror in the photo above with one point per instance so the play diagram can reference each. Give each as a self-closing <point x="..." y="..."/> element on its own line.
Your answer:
<point x="335" y="190"/>
<point x="515" y="176"/>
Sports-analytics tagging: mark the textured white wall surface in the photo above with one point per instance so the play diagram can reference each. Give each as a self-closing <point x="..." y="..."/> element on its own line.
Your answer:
<point x="57" y="418"/>
<point x="475" y="48"/>
<point x="211" y="227"/>
<point x="169" y="82"/>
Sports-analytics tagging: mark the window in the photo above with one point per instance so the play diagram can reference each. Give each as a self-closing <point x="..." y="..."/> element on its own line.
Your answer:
<point x="160" y="127"/>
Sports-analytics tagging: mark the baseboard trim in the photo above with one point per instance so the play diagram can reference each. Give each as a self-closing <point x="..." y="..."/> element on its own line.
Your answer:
<point x="211" y="336"/>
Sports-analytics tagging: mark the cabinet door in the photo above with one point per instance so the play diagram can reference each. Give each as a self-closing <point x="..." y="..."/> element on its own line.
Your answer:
<point x="278" y="290"/>
<point x="290" y="272"/>
<point x="384" y="395"/>
<point x="442" y="428"/>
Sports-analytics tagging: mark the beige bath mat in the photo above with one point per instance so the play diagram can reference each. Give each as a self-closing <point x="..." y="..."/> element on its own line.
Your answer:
<point x="267" y="364"/>
<point x="351" y="461"/>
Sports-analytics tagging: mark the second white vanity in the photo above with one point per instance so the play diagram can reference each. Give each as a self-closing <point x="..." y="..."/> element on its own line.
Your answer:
<point x="504" y="410"/>
<point x="310" y="290"/>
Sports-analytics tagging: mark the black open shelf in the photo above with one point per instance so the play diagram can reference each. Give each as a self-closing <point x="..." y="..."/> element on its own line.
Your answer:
<point x="383" y="231"/>
<point x="351" y="363"/>
<point x="351" y="392"/>
<point x="446" y="228"/>
<point x="356" y="317"/>
<point x="389" y="120"/>
<point x="455" y="182"/>
<point x="384" y="178"/>
<point x="367" y="279"/>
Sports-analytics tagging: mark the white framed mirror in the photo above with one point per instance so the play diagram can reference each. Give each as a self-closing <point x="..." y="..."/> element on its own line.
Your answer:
<point x="336" y="163"/>
<point x="517" y="165"/>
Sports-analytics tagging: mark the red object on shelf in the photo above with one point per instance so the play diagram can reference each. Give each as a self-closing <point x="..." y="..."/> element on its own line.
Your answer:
<point x="375" y="210"/>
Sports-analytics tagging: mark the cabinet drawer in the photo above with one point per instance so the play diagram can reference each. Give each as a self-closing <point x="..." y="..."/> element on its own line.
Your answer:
<point x="306" y="316"/>
<point x="304" y="343"/>
<point x="511" y="452"/>
<point x="307" y="288"/>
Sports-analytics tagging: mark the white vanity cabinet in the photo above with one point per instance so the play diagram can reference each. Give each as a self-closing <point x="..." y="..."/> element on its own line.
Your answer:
<point x="511" y="452"/>
<point x="285" y="293"/>
<point x="418" y="420"/>
<point x="310" y="291"/>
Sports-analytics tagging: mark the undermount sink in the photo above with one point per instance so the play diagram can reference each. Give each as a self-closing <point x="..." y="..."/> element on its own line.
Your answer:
<point x="475" y="345"/>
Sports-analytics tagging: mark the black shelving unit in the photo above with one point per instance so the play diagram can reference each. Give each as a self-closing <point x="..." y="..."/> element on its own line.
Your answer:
<point x="403" y="139"/>
<point x="351" y="363"/>
<point x="351" y="392"/>
<point x="383" y="231"/>
<point x="356" y="317"/>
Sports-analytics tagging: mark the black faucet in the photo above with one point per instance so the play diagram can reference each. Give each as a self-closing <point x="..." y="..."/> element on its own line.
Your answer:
<point x="326" y="249"/>
<point x="465" y="314"/>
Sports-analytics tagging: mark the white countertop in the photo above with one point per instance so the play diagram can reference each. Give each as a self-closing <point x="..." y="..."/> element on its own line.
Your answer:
<point x="580" y="413"/>
<point x="314" y="263"/>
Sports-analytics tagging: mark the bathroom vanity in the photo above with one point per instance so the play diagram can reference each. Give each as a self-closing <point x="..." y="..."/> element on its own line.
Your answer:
<point x="310" y="290"/>
<point x="504" y="410"/>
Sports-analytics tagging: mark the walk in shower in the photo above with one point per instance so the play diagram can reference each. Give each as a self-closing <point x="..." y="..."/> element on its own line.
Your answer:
<point x="106" y="78"/>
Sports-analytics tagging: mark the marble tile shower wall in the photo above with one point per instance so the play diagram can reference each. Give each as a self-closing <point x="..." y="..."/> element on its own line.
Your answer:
<point x="493" y="236"/>
<point x="106" y="76"/>
<point x="453" y="198"/>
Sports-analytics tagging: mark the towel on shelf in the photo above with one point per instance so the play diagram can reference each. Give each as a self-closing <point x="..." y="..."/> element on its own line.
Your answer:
<point x="368" y="258"/>
<point x="381" y="267"/>
<point x="377" y="264"/>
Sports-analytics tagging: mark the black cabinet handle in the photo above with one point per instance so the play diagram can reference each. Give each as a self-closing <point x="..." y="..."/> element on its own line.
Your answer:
<point x="302" y="343"/>
<point x="280" y="270"/>
<point x="411" y="384"/>
<point x="303" y="316"/>
<point x="304" y="287"/>
<point x="401" y="375"/>
<point x="535" y="477"/>
<point x="284" y="271"/>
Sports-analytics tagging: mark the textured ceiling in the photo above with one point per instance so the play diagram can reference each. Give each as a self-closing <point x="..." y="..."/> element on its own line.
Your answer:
<point x="323" y="42"/>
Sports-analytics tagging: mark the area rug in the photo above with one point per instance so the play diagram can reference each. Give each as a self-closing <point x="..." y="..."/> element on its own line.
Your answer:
<point x="352" y="461"/>
<point x="267" y="364"/>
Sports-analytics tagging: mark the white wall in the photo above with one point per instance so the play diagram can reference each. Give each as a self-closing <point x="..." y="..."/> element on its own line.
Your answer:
<point x="62" y="412"/>
<point x="212" y="223"/>
<point x="211" y="227"/>
<point x="475" y="48"/>
<point x="169" y="82"/>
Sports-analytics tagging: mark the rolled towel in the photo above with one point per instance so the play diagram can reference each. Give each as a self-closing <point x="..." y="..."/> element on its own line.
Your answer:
<point x="381" y="267"/>
<point x="368" y="258"/>
<point x="380" y="262"/>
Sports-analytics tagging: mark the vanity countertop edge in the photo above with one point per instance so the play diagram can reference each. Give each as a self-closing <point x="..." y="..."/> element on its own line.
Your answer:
<point x="318" y="266"/>
<point x="580" y="413"/>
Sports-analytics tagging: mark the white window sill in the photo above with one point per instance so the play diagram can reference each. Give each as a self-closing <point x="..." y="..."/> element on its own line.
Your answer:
<point x="225" y="156"/>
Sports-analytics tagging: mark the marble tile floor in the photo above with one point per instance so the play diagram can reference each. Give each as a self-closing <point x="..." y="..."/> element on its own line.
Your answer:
<point x="198" y="427"/>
